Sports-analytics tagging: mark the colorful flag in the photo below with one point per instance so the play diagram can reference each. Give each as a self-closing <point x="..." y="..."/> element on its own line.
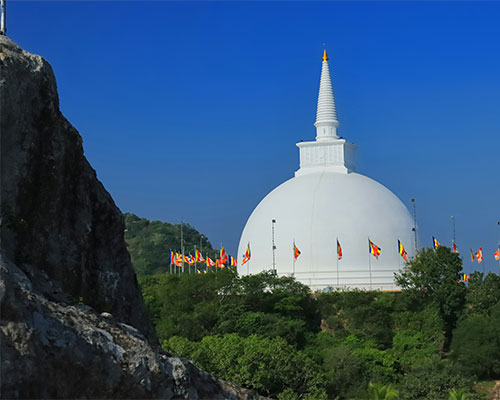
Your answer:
<point x="223" y="255"/>
<point x="374" y="249"/>
<point x="209" y="262"/>
<point x="247" y="255"/>
<point x="339" y="251"/>
<point x="497" y="255"/>
<point x="455" y="249"/>
<point x="471" y="255"/>
<point x="464" y="279"/>
<point x="436" y="243"/>
<point x="233" y="261"/>
<point x="219" y="263"/>
<point x="178" y="259"/>
<point x="402" y="251"/>
<point x="172" y="258"/>
<point x="199" y="257"/>
<point x="189" y="259"/>
<point x="479" y="255"/>
<point x="296" y="251"/>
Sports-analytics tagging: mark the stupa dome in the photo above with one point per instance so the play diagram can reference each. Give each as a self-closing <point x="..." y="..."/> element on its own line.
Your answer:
<point x="327" y="201"/>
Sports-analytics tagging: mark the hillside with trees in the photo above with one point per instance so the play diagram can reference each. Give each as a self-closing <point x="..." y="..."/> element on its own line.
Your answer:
<point x="149" y="243"/>
<point x="436" y="339"/>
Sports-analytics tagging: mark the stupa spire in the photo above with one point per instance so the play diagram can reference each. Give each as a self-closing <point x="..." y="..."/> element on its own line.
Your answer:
<point x="326" y="116"/>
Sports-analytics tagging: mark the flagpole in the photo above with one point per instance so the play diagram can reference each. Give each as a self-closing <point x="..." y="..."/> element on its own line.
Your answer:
<point x="414" y="229"/>
<point x="370" y="263"/>
<point x="498" y="223"/>
<point x="399" y="258"/>
<point x="182" y="247"/>
<point x="454" y="238"/>
<point x="195" y="258"/>
<point x="337" y="262"/>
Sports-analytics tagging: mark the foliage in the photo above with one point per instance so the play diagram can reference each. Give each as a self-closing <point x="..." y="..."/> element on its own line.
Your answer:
<point x="272" y="334"/>
<point x="270" y="366"/>
<point x="418" y="337"/>
<point x="343" y="372"/>
<point x="476" y="344"/>
<point x="378" y="391"/>
<point x="431" y="278"/>
<point x="194" y="306"/>
<point x="457" y="394"/>
<point x="357" y="312"/>
<point x="482" y="294"/>
<point x="432" y="381"/>
<point x="149" y="243"/>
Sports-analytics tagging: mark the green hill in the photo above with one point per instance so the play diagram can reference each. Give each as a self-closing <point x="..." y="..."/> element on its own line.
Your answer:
<point x="149" y="243"/>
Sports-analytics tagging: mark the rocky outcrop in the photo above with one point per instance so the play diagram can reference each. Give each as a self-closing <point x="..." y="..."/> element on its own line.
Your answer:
<point x="55" y="351"/>
<point x="73" y="323"/>
<point x="58" y="223"/>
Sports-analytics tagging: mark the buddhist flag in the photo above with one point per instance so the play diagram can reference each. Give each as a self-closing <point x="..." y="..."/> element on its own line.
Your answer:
<point x="172" y="258"/>
<point x="209" y="262"/>
<point x="402" y="251"/>
<point x="464" y="278"/>
<point x="178" y="259"/>
<point x="247" y="255"/>
<point x="296" y="252"/>
<point x="374" y="249"/>
<point x="233" y="261"/>
<point x="479" y="255"/>
<point x="471" y="255"/>
<point x="436" y="243"/>
<point x="219" y="263"/>
<point x="455" y="249"/>
<point x="189" y="259"/>
<point x="497" y="255"/>
<point x="223" y="255"/>
<point x="339" y="251"/>
<point x="199" y="257"/>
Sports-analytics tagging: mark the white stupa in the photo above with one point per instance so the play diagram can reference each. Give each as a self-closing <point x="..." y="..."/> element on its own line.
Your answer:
<point x="326" y="201"/>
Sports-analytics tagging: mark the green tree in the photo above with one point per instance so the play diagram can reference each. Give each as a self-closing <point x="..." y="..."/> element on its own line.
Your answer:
<point x="476" y="344"/>
<point x="419" y="337"/>
<point x="344" y="372"/>
<point x="433" y="381"/>
<point x="269" y="366"/>
<point x="482" y="293"/>
<point x="364" y="314"/>
<point x="187" y="305"/>
<point x="432" y="278"/>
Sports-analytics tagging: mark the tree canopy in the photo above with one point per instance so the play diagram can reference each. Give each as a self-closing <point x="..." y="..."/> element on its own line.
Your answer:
<point x="272" y="334"/>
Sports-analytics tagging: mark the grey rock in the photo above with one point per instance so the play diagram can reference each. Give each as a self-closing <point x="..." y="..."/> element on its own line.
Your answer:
<point x="72" y="321"/>
<point x="50" y="350"/>
<point x="59" y="224"/>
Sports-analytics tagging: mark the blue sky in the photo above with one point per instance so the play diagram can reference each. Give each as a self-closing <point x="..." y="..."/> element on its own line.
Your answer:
<point x="191" y="110"/>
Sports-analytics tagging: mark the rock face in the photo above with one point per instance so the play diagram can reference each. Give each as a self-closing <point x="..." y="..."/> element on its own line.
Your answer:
<point x="73" y="323"/>
<point x="59" y="225"/>
<point x="55" y="351"/>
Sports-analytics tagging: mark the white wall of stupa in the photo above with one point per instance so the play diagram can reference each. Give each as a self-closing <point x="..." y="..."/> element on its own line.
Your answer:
<point x="324" y="202"/>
